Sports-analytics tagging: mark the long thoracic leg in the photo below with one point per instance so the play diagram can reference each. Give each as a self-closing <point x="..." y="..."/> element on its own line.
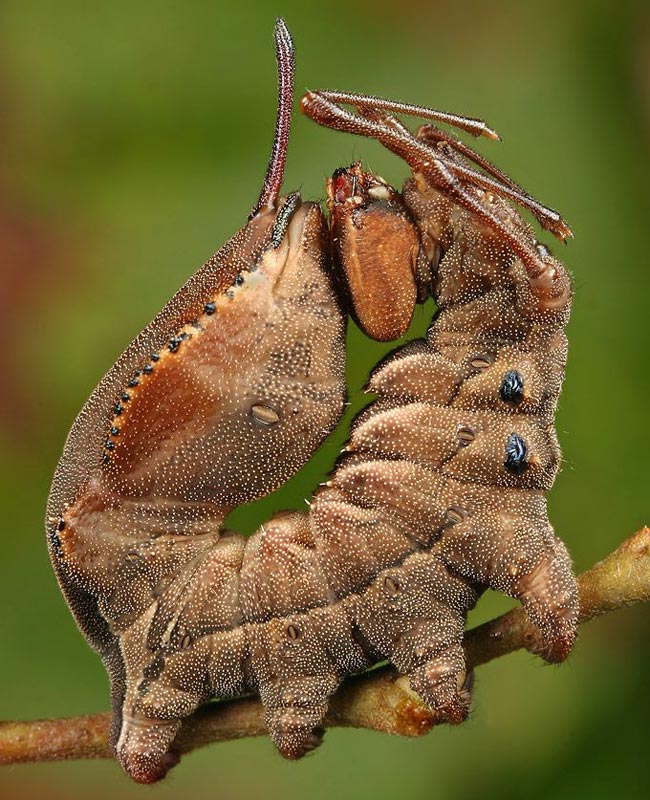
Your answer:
<point x="437" y="169"/>
<point x="373" y="121"/>
<point x="445" y="145"/>
<point x="471" y="125"/>
<point x="546" y="217"/>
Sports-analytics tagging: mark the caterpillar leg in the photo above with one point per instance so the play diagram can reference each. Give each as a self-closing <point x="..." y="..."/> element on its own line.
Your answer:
<point x="183" y="649"/>
<point x="152" y="711"/>
<point x="519" y="555"/>
<point x="295" y="678"/>
<point x="549" y="593"/>
<point x="292" y="652"/>
<point x="444" y="683"/>
<point x="144" y="748"/>
<point x="414" y="614"/>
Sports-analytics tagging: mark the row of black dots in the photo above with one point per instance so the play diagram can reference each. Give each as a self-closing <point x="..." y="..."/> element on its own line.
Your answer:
<point x="239" y="280"/>
<point x="118" y="408"/>
<point x="175" y="342"/>
<point x="511" y="392"/>
<point x="210" y="308"/>
<point x="54" y="537"/>
<point x="172" y="345"/>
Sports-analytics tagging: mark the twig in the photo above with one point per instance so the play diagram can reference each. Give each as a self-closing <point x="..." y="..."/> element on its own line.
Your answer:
<point x="378" y="699"/>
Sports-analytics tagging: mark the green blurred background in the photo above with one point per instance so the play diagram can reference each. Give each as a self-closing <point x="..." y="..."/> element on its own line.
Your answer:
<point x="134" y="138"/>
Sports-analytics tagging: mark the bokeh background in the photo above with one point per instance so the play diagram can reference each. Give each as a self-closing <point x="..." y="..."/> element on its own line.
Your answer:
<point x="134" y="137"/>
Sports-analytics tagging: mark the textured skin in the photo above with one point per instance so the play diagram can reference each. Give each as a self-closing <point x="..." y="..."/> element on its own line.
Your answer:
<point x="224" y="396"/>
<point x="440" y="493"/>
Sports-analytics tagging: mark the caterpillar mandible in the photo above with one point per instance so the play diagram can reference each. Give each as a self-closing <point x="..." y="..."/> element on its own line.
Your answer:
<point x="441" y="490"/>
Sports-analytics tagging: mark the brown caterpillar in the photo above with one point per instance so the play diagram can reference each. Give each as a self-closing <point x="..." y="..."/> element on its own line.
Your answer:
<point x="439" y="494"/>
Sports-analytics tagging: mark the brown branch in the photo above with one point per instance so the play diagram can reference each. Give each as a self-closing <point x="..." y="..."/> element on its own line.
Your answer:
<point x="379" y="699"/>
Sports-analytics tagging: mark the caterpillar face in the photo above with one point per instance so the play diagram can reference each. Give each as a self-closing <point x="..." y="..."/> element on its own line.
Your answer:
<point x="439" y="493"/>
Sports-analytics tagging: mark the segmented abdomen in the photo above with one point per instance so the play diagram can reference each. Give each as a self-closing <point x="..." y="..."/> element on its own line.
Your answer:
<point x="440" y="493"/>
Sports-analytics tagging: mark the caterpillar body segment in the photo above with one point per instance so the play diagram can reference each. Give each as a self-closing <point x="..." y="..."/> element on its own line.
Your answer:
<point x="439" y="494"/>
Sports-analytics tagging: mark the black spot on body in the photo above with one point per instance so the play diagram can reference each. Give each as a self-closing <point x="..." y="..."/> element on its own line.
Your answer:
<point x="118" y="409"/>
<point x="148" y="369"/>
<point x="512" y="388"/>
<point x="209" y="308"/>
<point x="155" y="357"/>
<point x="516" y="452"/>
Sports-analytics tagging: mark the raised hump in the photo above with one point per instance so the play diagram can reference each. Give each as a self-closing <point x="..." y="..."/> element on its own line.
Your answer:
<point x="84" y="446"/>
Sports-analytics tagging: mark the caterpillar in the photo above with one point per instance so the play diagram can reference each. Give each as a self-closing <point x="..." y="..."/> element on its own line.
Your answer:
<point x="439" y="494"/>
